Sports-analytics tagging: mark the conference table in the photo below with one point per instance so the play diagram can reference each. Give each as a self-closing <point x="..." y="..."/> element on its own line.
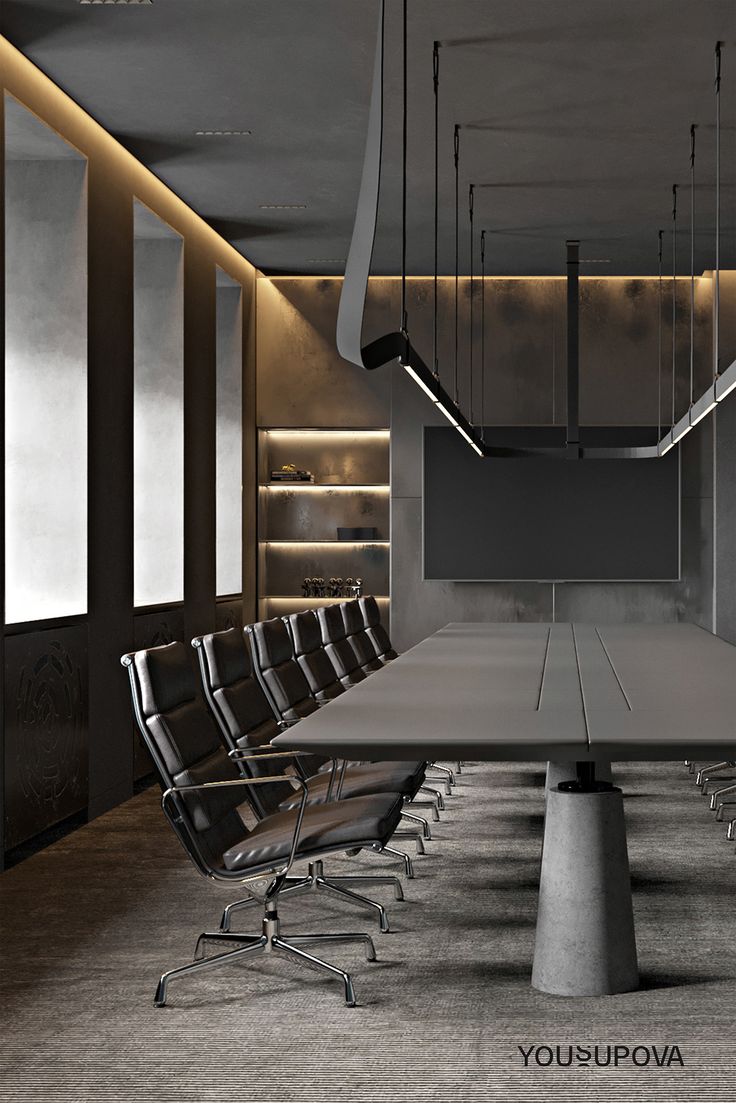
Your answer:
<point x="578" y="696"/>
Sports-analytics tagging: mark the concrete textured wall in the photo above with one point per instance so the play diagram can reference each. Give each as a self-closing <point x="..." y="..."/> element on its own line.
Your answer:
<point x="301" y="380"/>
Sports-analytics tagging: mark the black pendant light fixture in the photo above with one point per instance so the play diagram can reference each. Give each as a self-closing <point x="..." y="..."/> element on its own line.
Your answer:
<point x="397" y="345"/>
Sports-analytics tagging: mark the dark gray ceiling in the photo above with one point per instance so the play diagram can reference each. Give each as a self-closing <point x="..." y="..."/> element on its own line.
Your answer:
<point x="576" y="117"/>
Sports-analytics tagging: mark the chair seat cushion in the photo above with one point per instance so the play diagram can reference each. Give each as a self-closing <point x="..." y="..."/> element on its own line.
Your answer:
<point x="372" y="777"/>
<point x="341" y="824"/>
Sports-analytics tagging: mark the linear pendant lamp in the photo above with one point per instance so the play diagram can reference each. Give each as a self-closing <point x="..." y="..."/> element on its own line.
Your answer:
<point x="396" y="345"/>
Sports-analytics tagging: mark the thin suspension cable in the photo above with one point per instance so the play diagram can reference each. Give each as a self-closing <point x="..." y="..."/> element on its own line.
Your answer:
<point x="717" y="281"/>
<point x="693" y="128"/>
<point x="456" y="149"/>
<point x="659" y="339"/>
<point x="471" y="190"/>
<point x="404" y="319"/>
<point x="674" y="305"/>
<point x="483" y="336"/>
<point x="436" y="81"/>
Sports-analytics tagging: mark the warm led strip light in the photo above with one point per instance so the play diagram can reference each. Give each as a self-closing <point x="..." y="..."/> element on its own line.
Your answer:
<point x="378" y="488"/>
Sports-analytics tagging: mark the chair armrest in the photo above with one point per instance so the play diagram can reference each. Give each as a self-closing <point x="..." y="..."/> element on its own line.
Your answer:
<point x="240" y="756"/>
<point x="231" y="783"/>
<point x="286" y="724"/>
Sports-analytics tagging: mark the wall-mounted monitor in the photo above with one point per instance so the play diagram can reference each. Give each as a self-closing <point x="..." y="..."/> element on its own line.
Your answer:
<point x="540" y="518"/>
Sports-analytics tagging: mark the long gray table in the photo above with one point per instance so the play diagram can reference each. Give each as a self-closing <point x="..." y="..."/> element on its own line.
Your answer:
<point x="566" y="693"/>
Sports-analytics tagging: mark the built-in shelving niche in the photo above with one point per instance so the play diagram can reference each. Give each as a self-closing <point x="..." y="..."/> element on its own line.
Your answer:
<point x="298" y="522"/>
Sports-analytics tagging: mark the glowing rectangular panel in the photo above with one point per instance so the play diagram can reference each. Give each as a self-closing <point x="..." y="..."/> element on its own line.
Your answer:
<point x="229" y="437"/>
<point x="158" y="414"/>
<point x="45" y="373"/>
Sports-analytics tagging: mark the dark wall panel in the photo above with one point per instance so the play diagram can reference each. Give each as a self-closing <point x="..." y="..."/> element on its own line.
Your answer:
<point x="110" y="576"/>
<point x="46" y="730"/>
<point x="229" y="614"/>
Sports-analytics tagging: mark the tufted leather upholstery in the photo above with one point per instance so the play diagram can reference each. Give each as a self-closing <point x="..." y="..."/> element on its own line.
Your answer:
<point x="226" y="655"/>
<point x="363" y="646"/>
<point x="333" y="826"/>
<point x="186" y="749"/>
<point x="281" y="674"/>
<point x="312" y="657"/>
<point x="362" y="779"/>
<point x="241" y="707"/>
<point x="374" y="629"/>
<point x="341" y="652"/>
<point x="236" y="691"/>
<point x="185" y="744"/>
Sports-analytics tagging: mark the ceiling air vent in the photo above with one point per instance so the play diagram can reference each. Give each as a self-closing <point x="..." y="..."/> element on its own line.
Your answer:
<point x="222" y="133"/>
<point x="115" y="1"/>
<point x="282" y="206"/>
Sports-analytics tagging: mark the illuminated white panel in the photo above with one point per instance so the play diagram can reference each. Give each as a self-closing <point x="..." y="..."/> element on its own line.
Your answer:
<point x="229" y="430"/>
<point x="45" y="372"/>
<point x="158" y="412"/>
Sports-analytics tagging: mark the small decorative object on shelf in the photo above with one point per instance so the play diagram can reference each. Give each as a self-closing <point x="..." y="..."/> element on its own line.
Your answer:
<point x="357" y="533"/>
<point x="289" y="473"/>
<point x="334" y="587"/>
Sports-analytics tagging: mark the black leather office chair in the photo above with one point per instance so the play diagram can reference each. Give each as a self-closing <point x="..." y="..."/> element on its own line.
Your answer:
<point x="312" y="657"/>
<point x="375" y="631"/>
<point x="288" y="692"/>
<point x="352" y="619"/>
<point x="203" y="791"/>
<point x="340" y="651"/>
<point x="237" y="702"/>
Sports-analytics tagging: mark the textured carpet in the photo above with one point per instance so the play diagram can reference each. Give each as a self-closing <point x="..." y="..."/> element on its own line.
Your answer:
<point x="88" y="924"/>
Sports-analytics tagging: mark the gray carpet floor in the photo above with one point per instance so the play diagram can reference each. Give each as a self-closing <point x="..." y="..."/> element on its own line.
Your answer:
<point x="88" y="924"/>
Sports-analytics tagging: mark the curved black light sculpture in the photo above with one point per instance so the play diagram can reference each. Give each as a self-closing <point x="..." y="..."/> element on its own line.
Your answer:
<point x="396" y="345"/>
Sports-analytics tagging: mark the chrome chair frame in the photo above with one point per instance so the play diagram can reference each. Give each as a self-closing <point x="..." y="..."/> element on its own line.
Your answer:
<point x="270" y="940"/>
<point x="315" y="879"/>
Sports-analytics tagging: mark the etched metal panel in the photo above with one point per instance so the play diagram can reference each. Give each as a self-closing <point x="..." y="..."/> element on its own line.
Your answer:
<point x="153" y="630"/>
<point x="229" y="614"/>
<point x="307" y="513"/>
<point x="46" y="730"/>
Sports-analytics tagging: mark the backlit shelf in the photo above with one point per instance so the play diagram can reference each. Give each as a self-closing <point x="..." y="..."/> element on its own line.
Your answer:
<point x="315" y="601"/>
<point x="326" y="543"/>
<point x="356" y="487"/>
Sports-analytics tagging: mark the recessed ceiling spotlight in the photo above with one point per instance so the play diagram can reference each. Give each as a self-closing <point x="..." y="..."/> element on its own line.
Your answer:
<point x="282" y="206"/>
<point x="222" y="133"/>
<point x="115" y="1"/>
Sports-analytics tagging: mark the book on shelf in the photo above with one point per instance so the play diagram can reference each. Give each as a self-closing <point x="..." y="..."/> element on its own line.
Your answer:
<point x="292" y="477"/>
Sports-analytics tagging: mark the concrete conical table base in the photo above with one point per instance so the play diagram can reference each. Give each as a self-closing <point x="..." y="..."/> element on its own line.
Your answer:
<point x="585" y="942"/>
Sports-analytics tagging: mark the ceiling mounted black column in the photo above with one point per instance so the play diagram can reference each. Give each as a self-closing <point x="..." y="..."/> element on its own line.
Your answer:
<point x="573" y="350"/>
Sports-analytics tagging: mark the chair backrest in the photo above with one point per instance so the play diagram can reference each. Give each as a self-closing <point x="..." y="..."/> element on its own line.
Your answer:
<point x="186" y="750"/>
<point x="374" y="629"/>
<point x="341" y="652"/>
<point x="312" y="657"/>
<point x="363" y="646"/>
<point x="240" y="707"/>
<point x="278" y="671"/>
